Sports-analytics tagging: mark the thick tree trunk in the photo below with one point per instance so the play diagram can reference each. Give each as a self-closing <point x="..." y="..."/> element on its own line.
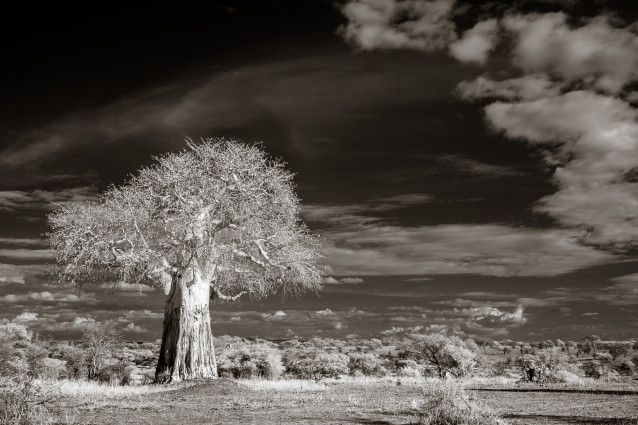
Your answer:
<point x="187" y="342"/>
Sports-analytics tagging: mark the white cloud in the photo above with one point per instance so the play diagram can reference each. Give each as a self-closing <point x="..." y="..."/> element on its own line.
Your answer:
<point x="351" y="280"/>
<point x="40" y="296"/>
<point x="596" y="146"/>
<point x="330" y="281"/>
<point x="494" y="315"/>
<point x="132" y="327"/>
<point x="399" y="24"/>
<point x="26" y="316"/>
<point x="143" y="314"/>
<point x="75" y="324"/>
<point x="10" y="273"/>
<point x="476" y="43"/>
<point x="596" y="53"/>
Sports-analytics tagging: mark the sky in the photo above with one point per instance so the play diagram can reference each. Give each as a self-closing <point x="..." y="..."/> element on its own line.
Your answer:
<point x="470" y="166"/>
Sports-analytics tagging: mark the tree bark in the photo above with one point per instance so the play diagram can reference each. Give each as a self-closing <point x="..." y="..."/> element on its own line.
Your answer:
<point x="187" y="350"/>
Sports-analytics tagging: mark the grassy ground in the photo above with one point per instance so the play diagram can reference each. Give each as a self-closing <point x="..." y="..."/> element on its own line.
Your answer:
<point x="347" y="401"/>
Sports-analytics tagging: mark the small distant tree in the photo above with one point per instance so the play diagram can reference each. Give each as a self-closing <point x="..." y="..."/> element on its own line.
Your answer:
<point x="448" y="354"/>
<point x="589" y="344"/>
<point x="100" y="340"/>
<point x="618" y="349"/>
<point x="484" y="343"/>
<point x="217" y="220"/>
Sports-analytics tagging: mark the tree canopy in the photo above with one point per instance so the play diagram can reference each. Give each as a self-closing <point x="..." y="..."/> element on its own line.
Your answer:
<point x="220" y="211"/>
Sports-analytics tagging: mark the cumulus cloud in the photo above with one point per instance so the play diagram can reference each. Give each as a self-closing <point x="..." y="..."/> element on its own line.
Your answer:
<point x="393" y="24"/>
<point x="26" y="316"/>
<point x="75" y="324"/>
<point x="132" y="327"/>
<point x="330" y="281"/>
<point x="39" y="296"/>
<point x="494" y="315"/>
<point x="476" y="43"/>
<point x="595" y="140"/>
<point x="600" y="55"/>
<point x="143" y="314"/>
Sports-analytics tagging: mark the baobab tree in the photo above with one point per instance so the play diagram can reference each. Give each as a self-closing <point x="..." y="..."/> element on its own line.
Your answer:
<point x="219" y="219"/>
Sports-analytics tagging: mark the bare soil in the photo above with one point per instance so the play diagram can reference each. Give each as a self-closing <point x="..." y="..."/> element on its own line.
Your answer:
<point x="228" y="402"/>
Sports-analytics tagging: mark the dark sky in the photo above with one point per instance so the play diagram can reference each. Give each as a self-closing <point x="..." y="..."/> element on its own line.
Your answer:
<point x="471" y="165"/>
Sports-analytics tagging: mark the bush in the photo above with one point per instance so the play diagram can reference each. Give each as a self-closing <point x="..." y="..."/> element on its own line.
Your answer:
<point x="449" y="405"/>
<point x="409" y="372"/>
<point x="22" y="402"/>
<point x="115" y="374"/>
<point x="567" y="377"/>
<point x="319" y="365"/>
<point x="75" y="361"/>
<point x="597" y="369"/>
<point x="543" y="366"/>
<point x="408" y="368"/>
<point x="52" y="368"/>
<point x="100" y="340"/>
<point x="625" y="368"/>
<point x="239" y="358"/>
<point x="363" y="364"/>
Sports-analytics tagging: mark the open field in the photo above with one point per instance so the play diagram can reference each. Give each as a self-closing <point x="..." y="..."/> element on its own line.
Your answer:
<point x="348" y="401"/>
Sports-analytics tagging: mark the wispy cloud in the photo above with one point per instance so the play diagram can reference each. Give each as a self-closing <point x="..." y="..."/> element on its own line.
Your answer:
<point x="360" y="243"/>
<point x="17" y="200"/>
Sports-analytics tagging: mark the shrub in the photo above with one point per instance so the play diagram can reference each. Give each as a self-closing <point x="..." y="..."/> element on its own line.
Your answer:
<point x="14" y="338"/>
<point x="100" y="340"/>
<point x="363" y="364"/>
<point x="34" y="354"/>
<point x="238" y="358"/>
<point x="449" y="405"/>
<point x="319" y="364"/>
<point x="543" y="366"/>
<point x="567" y="377"/>
<point x="75" y="361"/>
<point x="596" y="369"/>
<point x="52" y="368"/>
<point x="22" y="402"/>
<point x="409" y="372"/>
<point x="115" y="374"/>
<point x="626" y="368"/>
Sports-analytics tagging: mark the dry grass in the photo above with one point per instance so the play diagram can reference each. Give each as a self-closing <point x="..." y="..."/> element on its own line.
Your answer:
<point x="93" y="390"/>
<point x="283" y="385"/>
